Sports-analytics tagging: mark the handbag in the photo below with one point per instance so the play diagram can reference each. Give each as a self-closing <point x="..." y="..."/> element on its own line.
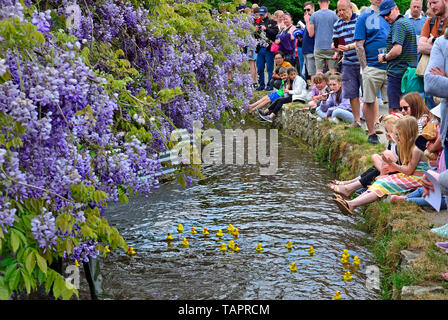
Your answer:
<point x="429" y="132"/>
<point x="422" y="64"/>
<point x="274" y="47"/>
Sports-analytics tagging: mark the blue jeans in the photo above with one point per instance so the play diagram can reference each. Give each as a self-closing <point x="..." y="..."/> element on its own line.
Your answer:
<point x="320" y="113"/>
<point x="343" y="115"/>
<point x="264" y="57"/>
<point x="416" y="197"/>
<point x="301" y="72"/>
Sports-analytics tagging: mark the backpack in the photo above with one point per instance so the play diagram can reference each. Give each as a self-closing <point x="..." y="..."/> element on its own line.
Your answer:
<point x="411" y="82"/>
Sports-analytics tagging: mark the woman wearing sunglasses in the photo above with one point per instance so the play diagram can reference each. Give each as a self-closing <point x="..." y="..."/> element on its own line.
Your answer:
<point x="412" y="104"/>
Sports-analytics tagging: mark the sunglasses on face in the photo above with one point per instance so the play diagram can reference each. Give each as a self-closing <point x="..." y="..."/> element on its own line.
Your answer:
<point x="307" y="10"/>
<point x="404" y="108"/>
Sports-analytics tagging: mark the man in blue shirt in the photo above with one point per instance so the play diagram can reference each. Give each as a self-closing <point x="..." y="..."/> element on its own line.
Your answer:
<point x="370" y="36"/>
<point x="401" y="44"/>
<point x="416" y="17"/>
<point x="308" y="42"/>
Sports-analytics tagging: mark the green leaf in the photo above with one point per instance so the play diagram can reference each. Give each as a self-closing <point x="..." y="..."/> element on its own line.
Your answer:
<point x="14" y="280"/>
<point x="30" y="262"/>
<point x="4" y="292"/>
<point x="15" y="241"/>
<point x="27" y="281"/>
<point x="41" y="262"/>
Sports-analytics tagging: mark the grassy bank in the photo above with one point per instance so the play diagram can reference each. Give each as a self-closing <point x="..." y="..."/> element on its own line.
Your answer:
<point x="396" y="229"/>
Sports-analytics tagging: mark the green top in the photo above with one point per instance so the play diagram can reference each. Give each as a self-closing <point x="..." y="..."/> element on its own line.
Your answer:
<point x="281" y="92"/>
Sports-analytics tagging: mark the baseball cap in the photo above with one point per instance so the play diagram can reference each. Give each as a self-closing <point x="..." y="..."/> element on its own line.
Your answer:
<point x="386" y="6"/>
<point x="263" y="10"/>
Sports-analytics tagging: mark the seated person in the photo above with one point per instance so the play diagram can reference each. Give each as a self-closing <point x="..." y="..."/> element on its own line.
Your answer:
<point x="279" y="61"/>
<point x="273" y="95"/>
<point x="297" y="93"/>
<point x="333" y="106"/>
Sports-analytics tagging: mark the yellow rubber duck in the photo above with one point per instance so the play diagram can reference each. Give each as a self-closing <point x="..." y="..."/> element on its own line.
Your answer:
<point x="347" y="276"/>
<point x="169" y="237"/>
<point x="193" y="230"/>
<point x="219" y="234"/>
<point x="223" y="247"/>
<point x="259" y="248"/>
<point x="289" y="245"/>
<point x="293" y="267"/>
<point x="356" y="261"/>
<point x="131" y="251"/>
<point x="76" y="263"/>
<point x="235" y="232"/>
<point x="230" y="228"/>
<point x="236" y="248"/>
<point x="231" y="245"/>
<point x="345" y="253"/>
<point x="180" y="228"/>
<point x="311" y="250"/>
<point x="185" y="243"/>
<point x="344" y="261"/>
<point x="337" y="295"/>
<point x="205" y="231"/>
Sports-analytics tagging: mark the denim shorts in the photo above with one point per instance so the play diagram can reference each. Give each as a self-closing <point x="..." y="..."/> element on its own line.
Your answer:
<point x="394" y="92"/>
<point x="351" y="80"/>
<point x="273" y="96"/>
<point x="250" y="53"/>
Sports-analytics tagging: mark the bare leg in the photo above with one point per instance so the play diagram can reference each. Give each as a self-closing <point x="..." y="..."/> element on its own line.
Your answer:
<point x="356" y="105"/>
<point x="369" y="114"/>
<point x="346" y="190"/>
<point x="365" y="198"/>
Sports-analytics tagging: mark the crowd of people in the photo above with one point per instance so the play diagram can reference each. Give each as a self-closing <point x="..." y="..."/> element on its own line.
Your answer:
<point x="353" y="61"/>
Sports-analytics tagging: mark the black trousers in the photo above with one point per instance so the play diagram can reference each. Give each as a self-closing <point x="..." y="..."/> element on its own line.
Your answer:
<point x="276" y="106"/>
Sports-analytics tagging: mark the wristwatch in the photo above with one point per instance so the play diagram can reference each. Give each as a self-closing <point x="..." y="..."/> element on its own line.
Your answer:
<point x="384" y="57"/>
<point x="433" y="39"/>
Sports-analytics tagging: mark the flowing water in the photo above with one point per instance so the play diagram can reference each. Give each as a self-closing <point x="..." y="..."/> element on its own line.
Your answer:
<point x="294" y="204"/>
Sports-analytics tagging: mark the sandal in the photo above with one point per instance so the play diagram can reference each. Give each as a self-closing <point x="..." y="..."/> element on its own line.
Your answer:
<point x="343" y="206"/>
<point x="336" y="189"/>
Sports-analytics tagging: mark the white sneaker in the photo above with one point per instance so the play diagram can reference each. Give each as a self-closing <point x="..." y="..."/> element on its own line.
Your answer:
<point x="334" y="120"/>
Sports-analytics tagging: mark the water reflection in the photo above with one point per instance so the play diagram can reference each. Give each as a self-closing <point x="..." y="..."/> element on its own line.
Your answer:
<point x="292" y="205"/>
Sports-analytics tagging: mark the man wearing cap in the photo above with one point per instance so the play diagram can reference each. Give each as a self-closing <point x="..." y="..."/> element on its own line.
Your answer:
<point x="370" y="36"/>
<point x="264" y="54"/>
<point x="401" y="46"/>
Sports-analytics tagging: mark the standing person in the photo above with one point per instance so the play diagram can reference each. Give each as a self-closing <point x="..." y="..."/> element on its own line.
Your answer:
<point x="432" y="29"/>
<point x="308" y="42"/>
<point x="401" y="53"/>
<point x="320" y="26"/>
<point x="264" y="54"/>
<point x="416" y="16"/>
<point x="436" y="83"/>
<point x="370" y="35"/>
<point x="278" y="17"/>
<point x="343" y="36"/>
<point x="285" y="38"/>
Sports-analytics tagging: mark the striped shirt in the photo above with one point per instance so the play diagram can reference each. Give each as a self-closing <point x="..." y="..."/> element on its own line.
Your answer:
<point x="346" y="30"/>
<point x="401" y="32"/>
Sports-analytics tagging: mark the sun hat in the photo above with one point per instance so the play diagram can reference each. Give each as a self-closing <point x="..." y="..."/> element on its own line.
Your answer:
<point x="436" y="111"/>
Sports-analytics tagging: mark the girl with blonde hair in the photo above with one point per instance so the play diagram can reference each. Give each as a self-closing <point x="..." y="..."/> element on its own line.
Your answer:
<point x="379" y="168"/>
<point x="410" y="171"/>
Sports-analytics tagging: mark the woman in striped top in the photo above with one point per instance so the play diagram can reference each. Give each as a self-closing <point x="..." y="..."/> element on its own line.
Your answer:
<point x="412" y="104"/>
<point x="410" y="172"/>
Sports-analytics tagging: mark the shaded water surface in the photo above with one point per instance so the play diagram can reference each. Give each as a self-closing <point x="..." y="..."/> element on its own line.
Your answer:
<point x="294" y="204"/>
